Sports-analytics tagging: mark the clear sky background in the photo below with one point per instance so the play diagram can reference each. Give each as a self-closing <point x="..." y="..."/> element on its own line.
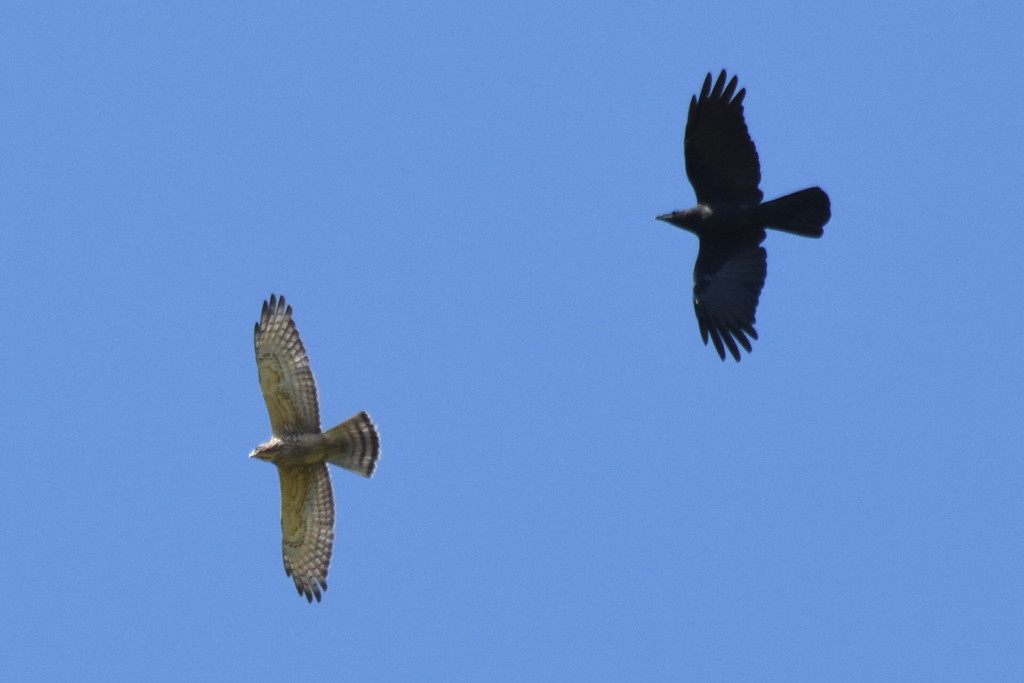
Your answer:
<point x="458" y="200"/>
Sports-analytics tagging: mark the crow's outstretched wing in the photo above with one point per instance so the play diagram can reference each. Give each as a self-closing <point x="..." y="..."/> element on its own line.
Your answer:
<point x="721" y="160"/>
<point x="727" y="282"/>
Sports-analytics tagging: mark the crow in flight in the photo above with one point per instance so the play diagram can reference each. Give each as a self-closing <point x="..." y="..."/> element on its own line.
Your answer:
<point x="729" y="219"/>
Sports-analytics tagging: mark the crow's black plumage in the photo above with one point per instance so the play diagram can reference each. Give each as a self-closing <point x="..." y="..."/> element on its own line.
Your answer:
<point x="729" y="219"/>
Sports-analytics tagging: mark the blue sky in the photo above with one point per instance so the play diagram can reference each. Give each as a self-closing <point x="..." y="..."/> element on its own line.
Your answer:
<point x="458" y="200"/>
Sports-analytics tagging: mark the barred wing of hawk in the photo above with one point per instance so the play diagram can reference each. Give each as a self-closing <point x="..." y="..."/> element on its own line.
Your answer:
<point x="301" y="451"/>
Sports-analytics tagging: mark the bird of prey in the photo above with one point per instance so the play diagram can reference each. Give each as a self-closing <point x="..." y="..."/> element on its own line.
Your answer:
<point x="301" y="451"/>
<point x="729" y="219"/>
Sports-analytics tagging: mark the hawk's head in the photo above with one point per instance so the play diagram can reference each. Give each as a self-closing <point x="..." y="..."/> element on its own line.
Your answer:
<point x="265" y="451"/>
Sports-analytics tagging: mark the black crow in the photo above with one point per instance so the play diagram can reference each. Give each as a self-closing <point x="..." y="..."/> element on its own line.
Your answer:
<point x="729" y="219"/>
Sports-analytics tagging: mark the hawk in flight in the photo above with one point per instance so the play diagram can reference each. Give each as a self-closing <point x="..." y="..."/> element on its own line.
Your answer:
<point x="729" y="219"/>
<point x="301" y="451"/>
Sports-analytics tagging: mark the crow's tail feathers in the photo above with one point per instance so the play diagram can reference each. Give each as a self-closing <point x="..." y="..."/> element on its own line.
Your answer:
<point x="801" y="213"/>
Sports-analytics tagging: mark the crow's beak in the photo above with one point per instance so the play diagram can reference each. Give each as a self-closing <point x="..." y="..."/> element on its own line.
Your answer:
<point x="667" y="217"/>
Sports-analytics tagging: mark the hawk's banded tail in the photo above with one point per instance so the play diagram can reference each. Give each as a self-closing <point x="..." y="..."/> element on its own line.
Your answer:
<point x="354" y="445"/>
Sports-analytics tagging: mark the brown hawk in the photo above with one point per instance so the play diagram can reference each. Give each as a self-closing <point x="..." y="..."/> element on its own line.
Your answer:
<point x="301" y="451"/>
